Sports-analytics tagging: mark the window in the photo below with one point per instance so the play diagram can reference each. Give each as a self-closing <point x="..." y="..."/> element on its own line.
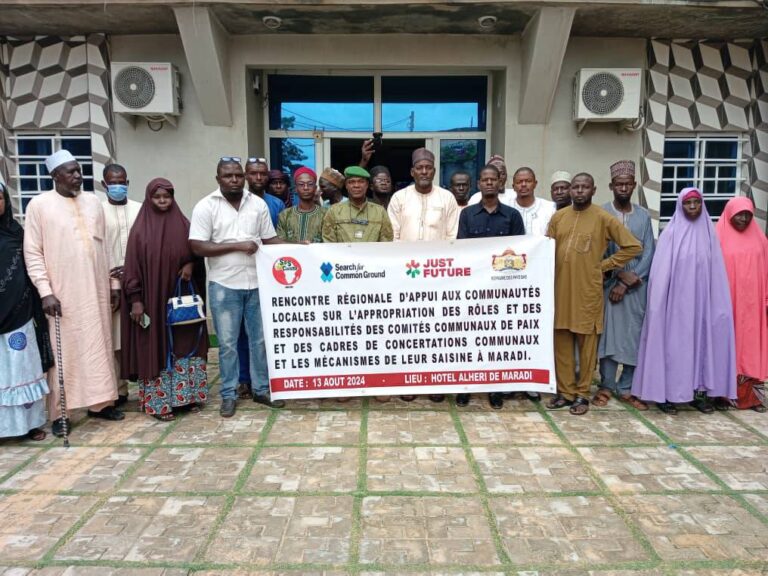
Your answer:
<point x="333" y="103"/>
<point x="322" y="120"/>
<point x="32" y="177"/>
<point x="466" y="155"/>
<point x="434" y="103"/>
<point x="713" y="164"/>
<point x="290" y="153"/>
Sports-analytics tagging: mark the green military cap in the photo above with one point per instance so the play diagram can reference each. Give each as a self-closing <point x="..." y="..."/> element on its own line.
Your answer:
<point x="356" y="172"/>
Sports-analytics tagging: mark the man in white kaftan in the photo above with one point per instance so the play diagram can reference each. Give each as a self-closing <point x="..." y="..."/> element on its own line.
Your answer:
<point x="67" y="262"/>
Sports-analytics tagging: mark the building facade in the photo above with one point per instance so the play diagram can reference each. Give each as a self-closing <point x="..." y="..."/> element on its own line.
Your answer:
<point x="306" y="83"/>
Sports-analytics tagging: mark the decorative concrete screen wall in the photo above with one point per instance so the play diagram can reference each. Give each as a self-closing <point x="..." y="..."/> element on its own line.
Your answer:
<point x="52" y="83"/>
<point x="707" y="86"/>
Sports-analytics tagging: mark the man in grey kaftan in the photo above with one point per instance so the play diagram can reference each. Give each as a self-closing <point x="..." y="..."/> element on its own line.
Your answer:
<point x="625" y="293"/>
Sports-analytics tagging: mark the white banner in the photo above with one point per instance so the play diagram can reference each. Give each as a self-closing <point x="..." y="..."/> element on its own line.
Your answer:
<point x="375" y="319"/>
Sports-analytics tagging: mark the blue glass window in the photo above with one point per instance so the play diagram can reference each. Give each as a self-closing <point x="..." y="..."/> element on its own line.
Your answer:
<point x="434" y="103"/>
<point x="331" y="103"/>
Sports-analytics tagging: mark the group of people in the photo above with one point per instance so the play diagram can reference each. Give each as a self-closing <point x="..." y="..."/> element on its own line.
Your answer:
<point x="102" y="273"/>
<point x="678" y="320"/>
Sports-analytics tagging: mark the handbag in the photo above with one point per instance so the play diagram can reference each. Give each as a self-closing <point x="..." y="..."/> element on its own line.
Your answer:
<point x="188" y="309"/>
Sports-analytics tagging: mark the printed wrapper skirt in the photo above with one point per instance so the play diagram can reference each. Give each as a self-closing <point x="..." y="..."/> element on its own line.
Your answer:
<point x="186" y="384"/>
<point x="750" y="392"/>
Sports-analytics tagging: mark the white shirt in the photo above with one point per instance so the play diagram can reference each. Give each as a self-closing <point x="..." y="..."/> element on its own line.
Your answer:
<point x="417" y="217"/>
<point x="215" y="220"/>
<point x="507" y="197"/>
<point x="119" y="219"/>
<point x="536" y="217"/>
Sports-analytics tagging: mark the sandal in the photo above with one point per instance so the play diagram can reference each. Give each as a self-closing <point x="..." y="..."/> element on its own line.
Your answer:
<point x="759" y="408"/>
<point x="558" y="401"/>
<point x="667" y="408"/>
<point x="195" y="408"/>
<point x="722" y="404"/>
<point x="602" y="397"/>
<point x="36" y="434"/>
<point x="164" y="417"/>
<point x="635" y="402"/>
<point x="579" y="407"/>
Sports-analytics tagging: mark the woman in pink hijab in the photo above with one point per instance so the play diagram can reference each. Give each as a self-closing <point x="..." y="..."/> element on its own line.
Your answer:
<point x="745" y="251"/>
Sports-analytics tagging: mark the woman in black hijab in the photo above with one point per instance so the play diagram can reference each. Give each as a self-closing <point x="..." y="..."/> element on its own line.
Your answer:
<point x="25" y="351"/>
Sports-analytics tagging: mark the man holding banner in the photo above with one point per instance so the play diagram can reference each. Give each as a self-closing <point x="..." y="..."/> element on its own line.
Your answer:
<point x="582" y="233"/>
<point x="368" y="223"/>
<point x="226" y="227"/>
<point x="422" y="212"/>
<point x="357" y="220"/>
<point x="487" y="219"/>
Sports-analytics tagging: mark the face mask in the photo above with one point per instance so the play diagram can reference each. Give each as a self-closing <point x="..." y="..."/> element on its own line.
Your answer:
<point x="117" y="192"/>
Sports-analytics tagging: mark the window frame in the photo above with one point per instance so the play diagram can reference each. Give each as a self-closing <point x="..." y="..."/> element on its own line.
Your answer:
<point x="55" y="137"/>
<point x="699" y="162"/>
<point x="431" y="138"/>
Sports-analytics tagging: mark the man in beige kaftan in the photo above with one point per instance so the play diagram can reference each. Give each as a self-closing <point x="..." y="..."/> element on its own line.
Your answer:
<point x="582" y="233"/>
<point x="423" y="211"/>
<point x="119" y="215"/>
<point x="66" y="255"/>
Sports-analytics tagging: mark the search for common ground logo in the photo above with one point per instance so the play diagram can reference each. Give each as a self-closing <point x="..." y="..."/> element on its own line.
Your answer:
<point x="286" y="270"/>
<point x="326" y="268"/>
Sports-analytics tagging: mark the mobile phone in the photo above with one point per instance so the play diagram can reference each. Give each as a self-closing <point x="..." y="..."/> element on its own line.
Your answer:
<point x="377" y="140"/>
<point x="144" y="322"/>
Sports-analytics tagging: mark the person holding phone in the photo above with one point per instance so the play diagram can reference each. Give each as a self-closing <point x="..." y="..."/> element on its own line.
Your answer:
<point x="157" y="256"/>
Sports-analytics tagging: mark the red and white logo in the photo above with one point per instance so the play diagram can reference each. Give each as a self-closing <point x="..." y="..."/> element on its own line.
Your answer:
<point x="286" y="270"/>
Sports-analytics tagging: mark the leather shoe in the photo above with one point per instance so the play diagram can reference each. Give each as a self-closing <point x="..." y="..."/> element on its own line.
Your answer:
<point x="228" y="407"/>
<point x="58" y="430"/>
<point x="496" y="400"/>
<point x="437" y="397"/>
<point x="409" y="398"/>
<point x="108" y="413"/>
<point x="266" y="401"/>
<point x="462" y="400"/>
<point x="533" y="396"/>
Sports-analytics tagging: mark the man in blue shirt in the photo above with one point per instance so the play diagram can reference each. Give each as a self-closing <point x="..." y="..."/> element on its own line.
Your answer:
<point x="257" y="175"/>
<point x="486" y="219"/>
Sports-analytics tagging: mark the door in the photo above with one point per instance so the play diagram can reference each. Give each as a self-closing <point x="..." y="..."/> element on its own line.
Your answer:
<point x="395" y="154"/>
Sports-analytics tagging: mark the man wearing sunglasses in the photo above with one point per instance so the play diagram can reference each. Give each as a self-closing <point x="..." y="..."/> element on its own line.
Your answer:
<point x="226" y="228"/>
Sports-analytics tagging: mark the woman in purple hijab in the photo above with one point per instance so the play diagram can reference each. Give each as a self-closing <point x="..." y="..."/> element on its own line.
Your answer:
<point x="687" y="351"/>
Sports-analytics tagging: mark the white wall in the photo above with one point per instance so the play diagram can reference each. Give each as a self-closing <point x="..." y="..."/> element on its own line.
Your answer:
<point x="557" y="145"/>
<point x="187" y="155"/>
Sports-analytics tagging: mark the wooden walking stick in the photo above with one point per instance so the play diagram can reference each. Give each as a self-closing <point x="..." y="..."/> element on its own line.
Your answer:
<point x="60" y="373"/>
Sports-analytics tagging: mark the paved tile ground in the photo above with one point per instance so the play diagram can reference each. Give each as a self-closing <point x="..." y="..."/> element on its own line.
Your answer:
<point x="362" y="487"/>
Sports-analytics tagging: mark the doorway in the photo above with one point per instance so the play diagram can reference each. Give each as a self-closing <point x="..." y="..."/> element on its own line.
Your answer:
<point x="395" y="154"/>
<point x="321" y="119"/>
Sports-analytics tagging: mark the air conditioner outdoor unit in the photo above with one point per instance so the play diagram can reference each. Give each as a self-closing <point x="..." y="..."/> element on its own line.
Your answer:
<point x="145" y="89"/>
<point x="607" y="94"/>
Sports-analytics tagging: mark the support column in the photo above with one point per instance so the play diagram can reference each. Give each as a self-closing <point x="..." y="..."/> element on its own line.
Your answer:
<point x="205" y="45"/>
<point x="544" y="42"/>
